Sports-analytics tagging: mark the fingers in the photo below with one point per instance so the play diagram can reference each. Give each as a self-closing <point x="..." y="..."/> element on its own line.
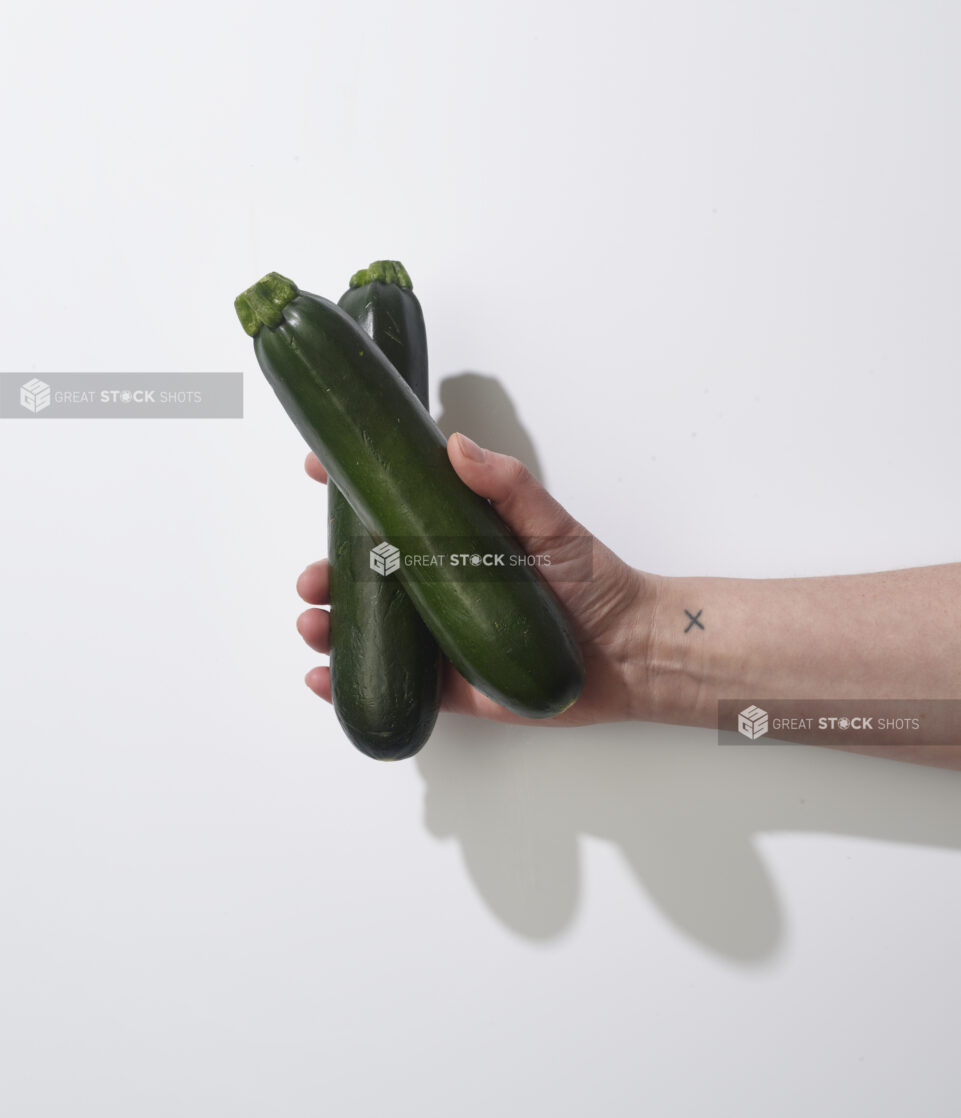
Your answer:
<point x="314" y="468"/>
<point x="518" y="496"/>
<point x="523" y="503"/>
<point x="314" y="626"/>
<point x="313" y="585"/>
<point x="318" y="680"/>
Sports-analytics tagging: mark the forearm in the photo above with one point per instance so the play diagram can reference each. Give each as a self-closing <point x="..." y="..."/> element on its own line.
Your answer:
<point x="890" y="635"/>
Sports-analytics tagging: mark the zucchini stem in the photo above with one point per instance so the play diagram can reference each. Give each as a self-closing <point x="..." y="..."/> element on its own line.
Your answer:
<point x="264" y="303"/>
<point x="387" y="271"/>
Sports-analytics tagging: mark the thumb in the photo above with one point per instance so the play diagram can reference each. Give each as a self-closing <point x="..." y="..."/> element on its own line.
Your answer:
<point x="519" y="498"/>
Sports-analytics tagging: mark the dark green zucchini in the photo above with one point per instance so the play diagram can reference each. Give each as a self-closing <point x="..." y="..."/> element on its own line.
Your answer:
<point x="384" y="662"/>
<point x="508" y="637"/>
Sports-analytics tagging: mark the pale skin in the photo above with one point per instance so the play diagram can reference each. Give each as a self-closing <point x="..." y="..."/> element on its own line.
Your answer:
<point x="888" y="635"/>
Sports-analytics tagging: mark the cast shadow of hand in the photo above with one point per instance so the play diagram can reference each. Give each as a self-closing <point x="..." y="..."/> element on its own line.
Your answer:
<point x="684" y="811"/>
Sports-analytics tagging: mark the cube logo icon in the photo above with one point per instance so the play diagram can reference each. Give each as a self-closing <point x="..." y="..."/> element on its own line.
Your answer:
<point x="384" y="558"/>
<point x="752" y="722"/>
<point x="35" y="395"/>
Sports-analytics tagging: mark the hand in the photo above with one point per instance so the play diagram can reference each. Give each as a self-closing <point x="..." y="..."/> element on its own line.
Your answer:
<point x="610" y="612"/>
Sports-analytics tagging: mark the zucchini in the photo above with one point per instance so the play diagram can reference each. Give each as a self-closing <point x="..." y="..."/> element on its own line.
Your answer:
<point x="385" y="666"/>
<point x="509" y="638"/>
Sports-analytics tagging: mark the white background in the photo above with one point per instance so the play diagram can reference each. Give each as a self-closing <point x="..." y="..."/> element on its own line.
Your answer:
<point x="703" y="260"/>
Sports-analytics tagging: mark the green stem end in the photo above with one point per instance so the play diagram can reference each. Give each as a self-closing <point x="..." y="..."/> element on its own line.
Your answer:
<point x="387" y="271"/>
<point x="263" y="304"/>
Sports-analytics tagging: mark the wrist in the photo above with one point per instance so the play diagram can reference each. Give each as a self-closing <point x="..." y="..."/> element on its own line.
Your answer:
<point x="670" y="676"/>
<point x="647" y="678"/>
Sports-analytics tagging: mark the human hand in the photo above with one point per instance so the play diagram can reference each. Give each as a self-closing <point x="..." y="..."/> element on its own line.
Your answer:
<point x="611" y="611"/>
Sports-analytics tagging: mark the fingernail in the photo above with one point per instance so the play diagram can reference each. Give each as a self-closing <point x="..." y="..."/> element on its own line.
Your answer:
<point x="470" y="449"/>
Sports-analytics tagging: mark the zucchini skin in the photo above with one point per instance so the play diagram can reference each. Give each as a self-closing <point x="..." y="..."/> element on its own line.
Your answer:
<point x="385" y="666"/>
<point x="510" y="639"/>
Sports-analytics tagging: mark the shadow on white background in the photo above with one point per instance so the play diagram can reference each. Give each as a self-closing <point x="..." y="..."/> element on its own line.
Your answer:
<point x="684" y="811"/>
